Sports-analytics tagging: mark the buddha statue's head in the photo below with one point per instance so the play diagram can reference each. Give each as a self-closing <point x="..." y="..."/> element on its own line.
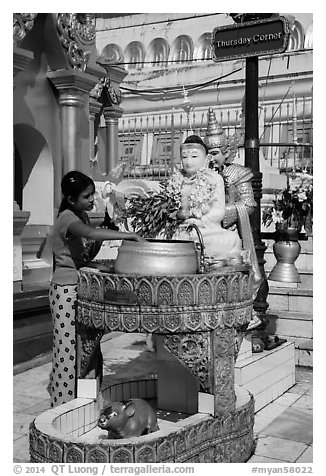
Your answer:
<point x="221" y="148"/>
<point x="193" y="155"/>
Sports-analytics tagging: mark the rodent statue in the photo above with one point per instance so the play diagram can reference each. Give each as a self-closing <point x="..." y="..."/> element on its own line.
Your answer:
<point x="134" y="418"/>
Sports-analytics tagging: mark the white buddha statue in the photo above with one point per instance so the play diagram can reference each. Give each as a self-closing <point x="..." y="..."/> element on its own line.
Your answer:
<point x="203" y="201"/>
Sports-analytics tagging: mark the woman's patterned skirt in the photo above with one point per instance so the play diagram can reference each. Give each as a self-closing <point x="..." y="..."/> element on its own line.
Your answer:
<point x="63" y="377"/>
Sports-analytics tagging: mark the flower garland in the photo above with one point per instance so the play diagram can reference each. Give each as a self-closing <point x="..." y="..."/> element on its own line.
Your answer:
<point x="203" y="185"/>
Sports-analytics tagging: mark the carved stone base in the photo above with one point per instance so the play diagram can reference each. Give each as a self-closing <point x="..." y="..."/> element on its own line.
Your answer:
<point x="199" y="438"/>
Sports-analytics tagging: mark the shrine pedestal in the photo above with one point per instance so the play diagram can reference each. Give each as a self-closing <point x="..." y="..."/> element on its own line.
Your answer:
<point x="200" y="322"/>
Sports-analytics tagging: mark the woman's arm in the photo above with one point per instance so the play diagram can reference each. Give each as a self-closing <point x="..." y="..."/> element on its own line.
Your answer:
<point x="82" y="230"/>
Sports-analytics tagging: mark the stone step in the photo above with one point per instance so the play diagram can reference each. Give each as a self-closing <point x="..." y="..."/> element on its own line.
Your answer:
<point x="290" y="299"/>
<point x="293" y="325"/>
<point x="267" y="374"/>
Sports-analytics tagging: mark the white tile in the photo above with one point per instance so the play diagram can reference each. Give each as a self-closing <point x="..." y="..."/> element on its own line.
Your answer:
<point x="87" y="388"/>
<point x="205" y="403"/>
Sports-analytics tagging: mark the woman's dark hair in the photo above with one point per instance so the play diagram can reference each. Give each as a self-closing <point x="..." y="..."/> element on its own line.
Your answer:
<point x="72" y="185"/>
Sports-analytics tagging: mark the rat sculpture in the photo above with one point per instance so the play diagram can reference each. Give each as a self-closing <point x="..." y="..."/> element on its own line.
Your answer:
<point x="134" y="418"/>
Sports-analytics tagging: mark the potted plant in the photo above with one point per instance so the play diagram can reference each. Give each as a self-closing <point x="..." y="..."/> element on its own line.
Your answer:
<point x="292" y="208"/>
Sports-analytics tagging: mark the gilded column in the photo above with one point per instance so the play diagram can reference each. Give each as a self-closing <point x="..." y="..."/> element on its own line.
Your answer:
<point x="111" y="117"/>
<point x="73" y="87"/>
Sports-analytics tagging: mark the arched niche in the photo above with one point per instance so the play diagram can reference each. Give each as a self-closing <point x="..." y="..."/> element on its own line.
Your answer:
<point x="34" y="179"/>
<point x="134" y="53"/>
<point x="157" y="53"/>
<point x="112" y="53"/>
<point x="182" y="49"/>
<point x="203" y="48"/>
<point x="296" y="39"/>
<point x="308" y="42"/>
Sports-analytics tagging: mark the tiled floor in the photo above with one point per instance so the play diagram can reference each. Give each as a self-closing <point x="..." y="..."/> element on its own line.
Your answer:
<point x="284" y="427"/>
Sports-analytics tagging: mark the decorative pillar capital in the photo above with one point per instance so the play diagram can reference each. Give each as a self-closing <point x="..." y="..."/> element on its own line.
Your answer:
<point x="112" y="114"/>
<point x="115" y="73"/>
<point x="72" y="83"/>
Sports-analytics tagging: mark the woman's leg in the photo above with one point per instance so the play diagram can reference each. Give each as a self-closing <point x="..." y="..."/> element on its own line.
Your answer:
<point x="63" y="376"/>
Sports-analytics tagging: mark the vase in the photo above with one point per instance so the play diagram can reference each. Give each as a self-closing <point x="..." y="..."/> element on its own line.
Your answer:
<point x="286" y="250"/>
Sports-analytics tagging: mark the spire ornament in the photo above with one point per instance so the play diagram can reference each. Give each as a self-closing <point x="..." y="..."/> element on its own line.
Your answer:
<point x="215" y="138"/>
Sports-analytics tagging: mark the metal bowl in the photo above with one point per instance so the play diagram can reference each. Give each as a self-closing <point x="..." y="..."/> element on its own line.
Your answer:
<point x="157" y="257"/>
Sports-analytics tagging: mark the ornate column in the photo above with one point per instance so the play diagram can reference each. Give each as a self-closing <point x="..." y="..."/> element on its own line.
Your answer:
<point x="111" y="116"/>
<point x="94" y="111"/>
<point x="22" y="23"/>
<point x="73" y="87"/>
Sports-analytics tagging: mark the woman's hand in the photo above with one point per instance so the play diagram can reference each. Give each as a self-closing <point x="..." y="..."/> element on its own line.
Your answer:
<point x="138" y="238"/>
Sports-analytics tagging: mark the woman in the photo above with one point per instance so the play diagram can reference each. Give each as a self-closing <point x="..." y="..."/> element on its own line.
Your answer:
<point x="75" y="244"/>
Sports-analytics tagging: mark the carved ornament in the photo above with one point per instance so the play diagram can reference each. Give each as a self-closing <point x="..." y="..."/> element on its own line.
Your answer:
<point x="76" y="30"/>
<point x="22" y="24"/>
<point x="105" y="92"/>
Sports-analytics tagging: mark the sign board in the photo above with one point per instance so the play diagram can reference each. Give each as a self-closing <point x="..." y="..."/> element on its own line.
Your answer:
<point x="254" y="38"/>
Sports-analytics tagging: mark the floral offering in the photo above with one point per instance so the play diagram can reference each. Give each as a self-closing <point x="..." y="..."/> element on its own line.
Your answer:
<point x="157" y="213"/>
<point x="154" y="213"/>
<point x="293" y="205"/>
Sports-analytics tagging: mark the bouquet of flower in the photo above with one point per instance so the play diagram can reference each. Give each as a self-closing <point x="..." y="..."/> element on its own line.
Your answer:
<point x="155" y="213"/>
<point x="293" y="205"/>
